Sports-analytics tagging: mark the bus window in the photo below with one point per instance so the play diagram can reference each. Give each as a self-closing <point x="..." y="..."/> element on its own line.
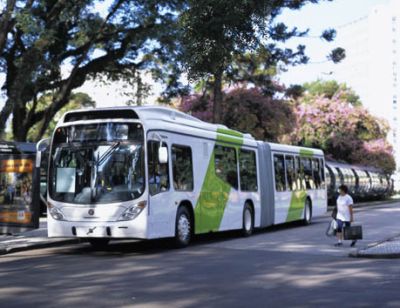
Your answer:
<point x="248" y="170"/>
<point x="322" y="170"/>
<point x="226" y="165"/>
<point x="316" y="169"/>
<point x="158" y="173"/>
<point x="308" y="174"/>
<point x="279" y="166"/>
<point x="182" y="167"/>
<point x="291" y="173"/>
<point x="299" y="173"/>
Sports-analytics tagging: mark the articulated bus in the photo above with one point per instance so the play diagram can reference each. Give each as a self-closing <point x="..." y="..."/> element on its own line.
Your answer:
<point x="154" y="172"/>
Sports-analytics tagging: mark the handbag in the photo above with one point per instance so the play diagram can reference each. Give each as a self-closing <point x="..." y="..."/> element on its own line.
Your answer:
<point x="332" y="227"/>
<point x="353" y="233"/>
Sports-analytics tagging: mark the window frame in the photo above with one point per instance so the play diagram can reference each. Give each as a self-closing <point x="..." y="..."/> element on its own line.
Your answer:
<point x="284" y="172"/>
<point x="240" y="172"/>
<point x="172" y="166"/>
<point x="294" y="180"/>
<point x="148" y="171"/>
<point x="236" y="162"/>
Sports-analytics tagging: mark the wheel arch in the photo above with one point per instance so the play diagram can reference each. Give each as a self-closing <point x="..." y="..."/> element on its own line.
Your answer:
<point x="310" y="202"/>
<point x="251" y="203"/>
<point x="189" y="206"/>
<point x="308" y="197"/>
<point x="253" y="209"/>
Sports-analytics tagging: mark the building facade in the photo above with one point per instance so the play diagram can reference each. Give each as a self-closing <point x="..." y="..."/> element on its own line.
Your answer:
<point x="372" y="66"/>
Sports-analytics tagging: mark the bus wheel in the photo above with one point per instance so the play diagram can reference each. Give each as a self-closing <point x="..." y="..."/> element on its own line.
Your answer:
<point x="98" y="243"/>
<point x="183" y="228"/>
<point x="307" y="212"/>
<point x="248" y="220"/>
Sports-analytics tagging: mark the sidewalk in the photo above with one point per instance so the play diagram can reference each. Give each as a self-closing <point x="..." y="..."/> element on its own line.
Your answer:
<point x="31" y="240"/>
<point x="387" y="249"/>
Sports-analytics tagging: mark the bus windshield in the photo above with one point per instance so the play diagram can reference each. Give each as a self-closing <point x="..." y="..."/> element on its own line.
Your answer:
<point x="97" y="163"/>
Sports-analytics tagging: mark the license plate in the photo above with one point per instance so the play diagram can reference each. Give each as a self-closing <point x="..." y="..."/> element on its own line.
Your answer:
<point x="91" y="231"/>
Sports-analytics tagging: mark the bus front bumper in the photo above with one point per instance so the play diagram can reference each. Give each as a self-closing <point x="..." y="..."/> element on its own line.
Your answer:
<point x="120" y="229"/>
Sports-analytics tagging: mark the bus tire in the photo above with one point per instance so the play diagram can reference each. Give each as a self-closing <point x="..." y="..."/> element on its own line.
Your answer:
<point x="183" y="227"/>
<point x="248" y="220"/>
<point x="99" y="243"/>
<point x="307" y="212"/>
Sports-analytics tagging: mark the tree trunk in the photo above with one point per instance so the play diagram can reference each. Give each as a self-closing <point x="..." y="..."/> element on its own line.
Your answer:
<point x="19" y="125"/>
<point x="4" y="115"/>
<point x="217" y="97"/>
<point x="5" y="23"/>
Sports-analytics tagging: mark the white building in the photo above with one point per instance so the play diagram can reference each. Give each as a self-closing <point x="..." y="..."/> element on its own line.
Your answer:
<point x="372" y="66"/>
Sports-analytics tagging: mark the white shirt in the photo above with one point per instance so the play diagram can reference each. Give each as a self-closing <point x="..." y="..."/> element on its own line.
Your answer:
<point x="343" y="203"/>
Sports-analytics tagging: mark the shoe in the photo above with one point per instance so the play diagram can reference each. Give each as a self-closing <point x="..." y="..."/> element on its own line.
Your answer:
<point x="338" y="244"/>
<point x="353" y="243"/>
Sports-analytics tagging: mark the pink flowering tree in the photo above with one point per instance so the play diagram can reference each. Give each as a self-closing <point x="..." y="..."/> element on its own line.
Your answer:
<point x="246" y="110"/>
<point x="345" y="132"/>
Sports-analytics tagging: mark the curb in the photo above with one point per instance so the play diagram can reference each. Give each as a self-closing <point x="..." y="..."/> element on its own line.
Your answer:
<point x="40" y="245"/>
<point x="370" y="204"/>
<point x="376" y="255"/>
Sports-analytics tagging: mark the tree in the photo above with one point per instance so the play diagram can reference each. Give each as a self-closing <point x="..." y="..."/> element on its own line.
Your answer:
<point x="76" y="101"/>
<point x="215" y="31"/>
<point x="245" y="110"/>
<point x="345" y="132"/>
<point x="330" y="89"/>
<point x="55" y="46"/>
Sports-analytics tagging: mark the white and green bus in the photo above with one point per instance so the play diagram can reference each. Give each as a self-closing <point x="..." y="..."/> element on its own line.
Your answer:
<point x="154" y="172"/>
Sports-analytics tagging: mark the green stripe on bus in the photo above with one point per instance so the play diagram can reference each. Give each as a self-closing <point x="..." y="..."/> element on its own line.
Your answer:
<point x="214" y="193"/>
<point x="230" y="136"/>
<point x="296" y="207"/>
<point x="230" y="132"/>
<point x="306" y="153"/>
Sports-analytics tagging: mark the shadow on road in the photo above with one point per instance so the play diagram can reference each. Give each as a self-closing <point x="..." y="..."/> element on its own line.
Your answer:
<point x="143" y="247"/>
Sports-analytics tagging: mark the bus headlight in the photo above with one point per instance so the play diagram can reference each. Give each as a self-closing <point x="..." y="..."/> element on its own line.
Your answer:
<point x="55" y="212"/>
<point x="133" y="211"/>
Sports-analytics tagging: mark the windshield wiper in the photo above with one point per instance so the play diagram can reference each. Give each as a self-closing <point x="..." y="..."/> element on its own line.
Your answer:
<point x="108" y="153"/>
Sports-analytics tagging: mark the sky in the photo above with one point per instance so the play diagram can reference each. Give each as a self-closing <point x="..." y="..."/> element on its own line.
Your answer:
<point x="316" y="17"/>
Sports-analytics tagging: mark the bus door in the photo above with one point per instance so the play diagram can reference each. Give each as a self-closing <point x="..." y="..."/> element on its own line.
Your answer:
<point x="41" y="169"/>
<point x="159" y="187"/>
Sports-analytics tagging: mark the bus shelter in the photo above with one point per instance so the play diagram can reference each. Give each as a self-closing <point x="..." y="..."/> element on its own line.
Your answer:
<point x="19" y="188"/>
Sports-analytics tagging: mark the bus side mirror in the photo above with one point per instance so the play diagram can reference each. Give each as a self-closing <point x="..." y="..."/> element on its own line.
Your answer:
<point x="162" y="155"/>
<point x="41" y="147"/>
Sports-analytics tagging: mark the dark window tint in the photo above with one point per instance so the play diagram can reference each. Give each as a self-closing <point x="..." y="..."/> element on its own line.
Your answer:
<point x="306" y="165"/>
<point x="322" y="172"/>
<point x="158" y="173"/>
<point x="182" y="168"/>
<point x="226" y="165"/>
<point x="248" y="170"/>
<point x="279" y="167"/>
<point x="299" y="173"/>
<point x="291" y="175"/>
<point x="316" y="169"/>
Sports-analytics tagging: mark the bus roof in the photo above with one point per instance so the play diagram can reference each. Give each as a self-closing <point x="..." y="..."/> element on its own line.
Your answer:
<point x="153" y="117"/>
<point x="295" y="149"/>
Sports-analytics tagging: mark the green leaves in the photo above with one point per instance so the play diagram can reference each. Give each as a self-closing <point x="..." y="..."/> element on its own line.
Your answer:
<point x="337" y="55"/>
<point x="345" y="132"/>
<point x="47" y="36"/>
<point x="329" y="89"/>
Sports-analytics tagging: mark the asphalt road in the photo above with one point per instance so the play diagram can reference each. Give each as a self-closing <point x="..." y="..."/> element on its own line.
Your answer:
<point x="292" y="266"/>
